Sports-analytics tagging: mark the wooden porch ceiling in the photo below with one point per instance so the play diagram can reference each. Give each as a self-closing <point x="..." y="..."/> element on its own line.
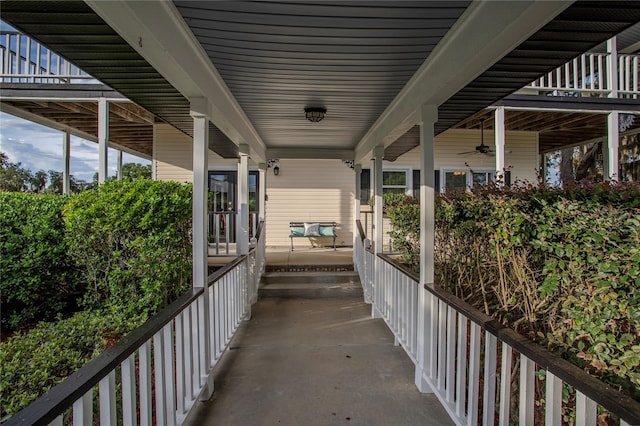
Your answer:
<point x="130" y="126"/>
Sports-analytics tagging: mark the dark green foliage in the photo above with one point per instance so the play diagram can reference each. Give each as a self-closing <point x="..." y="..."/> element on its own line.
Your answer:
<point x="132" y="240"/>
<point x="38" y="279"/>
<point x="561" y="266"/>
<point x="35" y="361"/>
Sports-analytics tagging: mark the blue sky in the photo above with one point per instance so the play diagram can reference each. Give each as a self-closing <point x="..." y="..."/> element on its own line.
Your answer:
<point x="40" y="148"/>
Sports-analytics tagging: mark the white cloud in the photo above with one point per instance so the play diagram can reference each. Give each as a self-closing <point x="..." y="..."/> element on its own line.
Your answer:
<point x="40" y="148"/>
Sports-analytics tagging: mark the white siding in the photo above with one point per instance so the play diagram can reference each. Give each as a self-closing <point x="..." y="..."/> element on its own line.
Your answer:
<point x="521" y="153"/>
<point x="173" y="155"/>
<point x="309" y="190"/>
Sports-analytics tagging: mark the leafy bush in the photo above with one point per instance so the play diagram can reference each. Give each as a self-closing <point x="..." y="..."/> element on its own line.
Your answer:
<point x="38" y="278"/>
<point x="132" y="240"/>
<point x="561" y="266"/>
<point x="35" y="361"/>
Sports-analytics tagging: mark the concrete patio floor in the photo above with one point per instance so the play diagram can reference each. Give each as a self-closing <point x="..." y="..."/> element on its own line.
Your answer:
<point x="315" y="362"/>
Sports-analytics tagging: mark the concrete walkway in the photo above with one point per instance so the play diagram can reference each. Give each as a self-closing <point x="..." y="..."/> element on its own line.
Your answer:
<point x="315" y="362"/>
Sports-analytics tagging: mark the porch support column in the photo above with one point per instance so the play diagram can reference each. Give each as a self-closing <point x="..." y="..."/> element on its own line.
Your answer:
<point x="119" y="165"/>
<point x="378" y="154"/>
<point x="426" y="353"/>
<point x="262" y="191"/>
<point x="103" y="139"/>
<point x="242" y="230"/>
<point x="610" y="147"/>
<point x="199" y="112"/>
<point x="66" y="159"/>
<point x="499" y="134"/>
<point x="356" y="202"/>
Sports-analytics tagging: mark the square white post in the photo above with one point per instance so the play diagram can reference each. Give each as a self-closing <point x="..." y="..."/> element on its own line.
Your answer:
<point x="356" y="203"/>
<point x="428" y="118"/>
<point x="103" y="140"/>
<point x="66" y="158"/>
<point x="610" y="147"/>
<point x="499" y="135"/>
<point x="262" y="191"/>
<point x="242" y="230"/>
<point x="199" y="113"/>
<point x="119" y="165"/>
<point x="378" y="154"/>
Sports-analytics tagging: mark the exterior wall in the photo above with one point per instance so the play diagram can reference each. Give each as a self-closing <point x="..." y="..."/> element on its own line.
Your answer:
<point x="173" y="155"/>
<point x="309" y="190"/>
<point x="521" y="153"/>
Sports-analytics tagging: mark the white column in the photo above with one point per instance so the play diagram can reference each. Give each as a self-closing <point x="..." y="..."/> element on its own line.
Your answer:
<point x="428" y="117"/>
<point x="103" y="139"/>
<point x="199" y="112"/>
<point x="66" y="158"/>
<point x="499" y="134"/>
<point x="119" y="165"/>
<point x="262" y="191"/>
<point x="610" y="147"/>
<point x="356" y="203"/>
<point x="378" y="154"/>
<point x="242" y="228"/>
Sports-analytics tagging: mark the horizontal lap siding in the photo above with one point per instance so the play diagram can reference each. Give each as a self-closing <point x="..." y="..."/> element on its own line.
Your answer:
<point x="173" y="155"/>
<point x="309" y="190"/>
<point x="523" y="155"/>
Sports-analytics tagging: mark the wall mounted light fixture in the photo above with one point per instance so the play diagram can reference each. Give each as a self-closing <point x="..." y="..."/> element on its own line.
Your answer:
<point x="275" y="164"/>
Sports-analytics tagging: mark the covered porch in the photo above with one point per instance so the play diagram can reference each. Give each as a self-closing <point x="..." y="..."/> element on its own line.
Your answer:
<point x="233" y="82"/>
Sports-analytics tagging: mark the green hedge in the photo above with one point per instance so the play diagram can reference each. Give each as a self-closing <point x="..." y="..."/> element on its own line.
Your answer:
<point x="132" y="239"/>
<point x="38" y="279"/>
<point x="35" y="361"/>
<point x="560" y="266"/>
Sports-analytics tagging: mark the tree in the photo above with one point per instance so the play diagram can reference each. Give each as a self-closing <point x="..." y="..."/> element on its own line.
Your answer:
<point x="134" y="171"/>
<point x="13" y="177"/>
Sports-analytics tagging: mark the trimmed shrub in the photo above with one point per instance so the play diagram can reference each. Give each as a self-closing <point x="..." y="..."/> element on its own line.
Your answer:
<point x="132" y="240"/>
<point x="560" y="266"/>
<point x="39" y="280"/>
<point x="35" y="361"/>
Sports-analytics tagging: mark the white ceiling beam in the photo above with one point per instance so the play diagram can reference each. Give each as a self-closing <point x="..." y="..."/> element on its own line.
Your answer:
<point x="310" y="153"/>
<point x="485" y="33"/>
<point x="160" y="35"/>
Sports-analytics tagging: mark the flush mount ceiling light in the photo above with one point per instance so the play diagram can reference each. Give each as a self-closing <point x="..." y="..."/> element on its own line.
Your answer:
<point x="314" y="114"/>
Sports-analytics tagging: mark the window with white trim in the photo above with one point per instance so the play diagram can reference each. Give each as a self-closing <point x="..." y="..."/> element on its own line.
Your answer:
<point x="395" y="181"/>
<point x="462" y="180"/>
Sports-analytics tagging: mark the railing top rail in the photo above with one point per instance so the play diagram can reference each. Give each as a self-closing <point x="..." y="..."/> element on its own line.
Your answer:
<point x="609" y="398"/>
<point x="612" y="400"/>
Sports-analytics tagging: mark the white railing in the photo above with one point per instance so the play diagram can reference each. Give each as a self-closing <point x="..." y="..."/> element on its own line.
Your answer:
<point x="481" y="371"/>
<point x="24" y="60"/>
<point x="590" y="75"/>
<point x="155" y="374"/>
<point x="222" y="226"/>
<point x="364" y="262"/>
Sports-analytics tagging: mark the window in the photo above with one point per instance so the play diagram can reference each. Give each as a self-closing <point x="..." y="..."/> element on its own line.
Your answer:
<point x="394" y="182"/>
<point x="365" y="186"/>
<point x="461" y="180"/>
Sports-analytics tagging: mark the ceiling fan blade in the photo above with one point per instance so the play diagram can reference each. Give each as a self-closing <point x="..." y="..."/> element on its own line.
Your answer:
<point x="467" y="153"/>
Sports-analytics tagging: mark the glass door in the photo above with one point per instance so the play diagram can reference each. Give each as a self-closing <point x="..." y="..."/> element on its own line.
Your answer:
<point x="222" y="206"/>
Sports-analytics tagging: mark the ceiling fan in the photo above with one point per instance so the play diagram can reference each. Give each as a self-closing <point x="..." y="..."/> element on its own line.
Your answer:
<point x="482" y="148"/>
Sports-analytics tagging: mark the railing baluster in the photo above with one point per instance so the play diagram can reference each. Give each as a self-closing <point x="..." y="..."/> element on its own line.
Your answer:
<point x="586" y="410"/>
<point x="527" y="391"/>
<point x="187" y="357"/>
<point x="57" y="421"/>
<point x="489" y="394"/>
<point x="451" y="354"/>
<point x="195" y="350"/>
<point x="553" y="400"/>
<point x="442" y="344"/>
<point x="461" y="366"/>
<point x="158" y="375"/>
<point x="505" y="385"/>
<point x="107" y="396"/>
<point x="474" y="375"/>
<point x="144" y="367"/>
<point x="168" y="368"/>
<point x="180" y="364"/>
<point x="128" y="372"/>
<point x="83" y="410"/>
<point x="204" y="362"/>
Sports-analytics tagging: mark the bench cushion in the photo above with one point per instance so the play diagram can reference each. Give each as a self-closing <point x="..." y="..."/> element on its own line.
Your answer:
<point x="327" y="231"/>
<point x="297" y="231"/>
